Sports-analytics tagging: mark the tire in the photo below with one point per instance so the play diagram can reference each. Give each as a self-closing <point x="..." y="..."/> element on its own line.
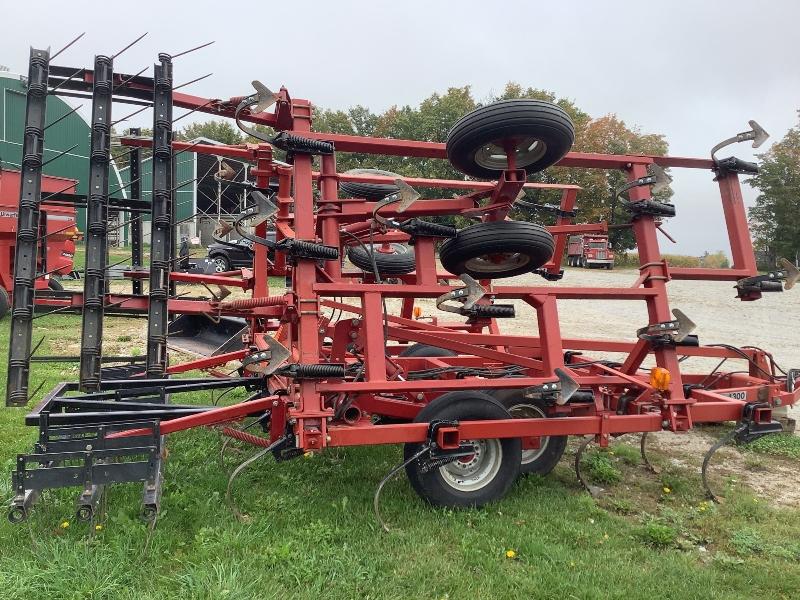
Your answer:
<point x="5" y="302"/>
<point x="543" y="130"/>
<point x="399" y="262"/>
<point x="425" y="350"/>
<point x="542" y="460"/>
<point x="368" y="191"/>
<point x="479" y="250"/>
<point x="221" y="263"/>
<point x="492" y="469"/>
<point x="583" y="264"/>
<point x="55" y="285"/>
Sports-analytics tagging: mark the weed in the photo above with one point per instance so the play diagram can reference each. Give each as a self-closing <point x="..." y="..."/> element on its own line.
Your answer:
<point x="782" y="444"/>
<point x="656" y="534"/>
<point x="600" y="467"/>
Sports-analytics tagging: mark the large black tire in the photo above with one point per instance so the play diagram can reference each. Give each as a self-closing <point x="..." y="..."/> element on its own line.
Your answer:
<point x="55" y="285"/>
<point x="541" y="131"/>
<point x="497" y="249"/>
<point x="425" y="350"/>
<point x="541" y="460"/>
<point x="5" y="302"/>
<point x="399" y="262"/>
<point x="368" y="191"/>
<point x="484" y="477"/>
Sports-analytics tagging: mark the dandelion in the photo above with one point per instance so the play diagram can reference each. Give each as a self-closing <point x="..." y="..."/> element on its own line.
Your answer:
<point x="511" y="554"/>
<point x="64" y="524"/>
<point x="98" y="527"/>
<point x="572" y="563"/>
<point x="667" y="490"/>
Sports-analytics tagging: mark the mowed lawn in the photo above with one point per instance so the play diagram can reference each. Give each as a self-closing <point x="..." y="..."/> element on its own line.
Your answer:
<point x="310" y="531"/>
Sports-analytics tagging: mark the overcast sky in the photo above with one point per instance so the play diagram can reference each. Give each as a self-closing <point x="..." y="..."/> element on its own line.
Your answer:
<point x="694" y="71"/>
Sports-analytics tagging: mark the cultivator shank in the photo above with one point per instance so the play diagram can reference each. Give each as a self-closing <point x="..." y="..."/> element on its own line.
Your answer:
<point x="345" y="356"/>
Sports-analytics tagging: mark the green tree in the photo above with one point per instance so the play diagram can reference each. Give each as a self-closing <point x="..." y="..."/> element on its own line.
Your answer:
<point x="219" y="131"/>
<point x="774" y="218"/>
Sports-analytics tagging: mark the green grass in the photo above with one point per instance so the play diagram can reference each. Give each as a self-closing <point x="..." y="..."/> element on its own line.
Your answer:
<point x="784" y="444"/>
<point x="311" y="532"/>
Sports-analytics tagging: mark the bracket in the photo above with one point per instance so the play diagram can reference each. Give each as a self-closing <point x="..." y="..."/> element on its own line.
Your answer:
<point x="558" y="392"/>
<point x="275" y="355"/>
<point x="750" y="288"/>
<point x="668" y="332"/>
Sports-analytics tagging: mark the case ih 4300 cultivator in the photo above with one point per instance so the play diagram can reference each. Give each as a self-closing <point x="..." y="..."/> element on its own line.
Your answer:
<point x="474" y="407"/>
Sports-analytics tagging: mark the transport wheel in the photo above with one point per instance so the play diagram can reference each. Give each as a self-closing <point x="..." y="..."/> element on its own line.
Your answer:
<point x="539" y="133"/>
<point x="425" y="350"/>
<point x="55" y="285"/>
<point x="468" y="481"/>
<point x="368" y="191"/>
<point x="541" y="460"/>
<point x="497" y="249"/>
<point x="5" y="302"/>
<point x="221" y="263"/>
<point x="391" y="259"/>
<point x="584" y="264"/>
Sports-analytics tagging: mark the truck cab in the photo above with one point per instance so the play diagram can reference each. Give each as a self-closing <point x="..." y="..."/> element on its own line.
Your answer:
<point x="589" y="251"/>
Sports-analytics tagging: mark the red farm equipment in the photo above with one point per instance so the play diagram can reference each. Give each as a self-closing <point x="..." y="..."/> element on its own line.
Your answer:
<point x="57" y="233"/>
<point x="589" y="251"/>
<point x="338" y="358"/>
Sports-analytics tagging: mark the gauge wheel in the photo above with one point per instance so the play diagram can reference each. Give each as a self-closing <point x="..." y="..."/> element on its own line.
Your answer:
<point x="485" y="475"/>
<point x="497" y="249"/>
<point x="368" y="191"/>
<point x="426" y="350"/>
<point x="5" y="302"/>
<point x="541" y="460"/>
<point x="539" y="133"/>
<point x="55" y="285"/>
<point x="390" y="259"/>
<point x="221" y="263"/>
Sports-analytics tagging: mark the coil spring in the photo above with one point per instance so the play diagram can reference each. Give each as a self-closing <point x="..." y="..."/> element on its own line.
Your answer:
<point x="26" y="234"/>
<point x="493" y="310"/>
<point x="93" y="272"/>
<point x="22" y="313"/>
<point x="37" y="84"/>
<point x="162" y="221"/>
<point x="158" y="294"/>
<point x="29" y="204"/>
<point x="17" y="363"/>
<point x="92" y="303"/>
<point x="103" y="66"/>
<point x="318" y="371"/>
<point x="159" y="265"/>
<point x="435" y="229"/>
<point x="23" y="282"/>
<point x="18" y="396"/>
<point x="305" y="249"/>
<point x="300" y="145"/>
<point x="244" y="436"/>
<point x="245" y="303"/>
<point x="97" y="228"/>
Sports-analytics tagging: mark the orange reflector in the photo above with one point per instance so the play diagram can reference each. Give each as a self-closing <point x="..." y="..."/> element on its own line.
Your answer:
<point x="417" y="312"/>
<point x="660" y="378"/>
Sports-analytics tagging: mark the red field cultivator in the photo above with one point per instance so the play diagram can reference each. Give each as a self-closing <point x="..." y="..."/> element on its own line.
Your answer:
<point x="341" y="358"/>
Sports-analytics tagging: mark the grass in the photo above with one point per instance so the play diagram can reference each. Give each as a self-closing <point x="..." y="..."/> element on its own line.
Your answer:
<point x="310" y="530"/>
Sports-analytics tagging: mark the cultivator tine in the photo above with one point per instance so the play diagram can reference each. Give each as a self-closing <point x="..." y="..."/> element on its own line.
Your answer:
<point x="68" y="45"/>
<point x="266" y="97"/>
<point x="643" y="450"/>
<point x="707" y="459"/>
<point x="466" y="297"/>
<point x="190" y="50"/>
<point x="567" y="384"/>
<point x="792" y="273"/>
<point x="64" y="116"/>
<point x="662" y="179"/>
<point x="133" y="43"/>
<point x="88" y="500"/>
<point x="238" y="470"/>
<point x="408" y="195"/>
<point x="594" y="490"/>
<point x="276" y="355"/>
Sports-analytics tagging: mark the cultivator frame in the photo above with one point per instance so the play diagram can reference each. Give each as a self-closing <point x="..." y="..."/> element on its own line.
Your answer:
<point x="319" y="382"/>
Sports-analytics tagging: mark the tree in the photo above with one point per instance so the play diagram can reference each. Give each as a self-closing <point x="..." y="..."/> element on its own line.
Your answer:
<point x="774" y="219"/>
<point x="435" y="116"/>
<point x="219" y="131"/>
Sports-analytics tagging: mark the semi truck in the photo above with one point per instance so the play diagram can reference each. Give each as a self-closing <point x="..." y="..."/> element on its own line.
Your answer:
<point x="589" y="251"/>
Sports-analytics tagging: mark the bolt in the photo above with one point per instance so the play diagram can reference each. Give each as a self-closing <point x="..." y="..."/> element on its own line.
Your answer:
<point x="274" y="403"/>
<point x="322" y="330"/>
<point x="356" y="322"/>
<point x="664" y="424"/>
<point x="292" y="421"/>
<point x="420" y="396"/>
<point x="89" y="447"/>
<point x="328" y="439"/>
<point x="330" y="419"/>
<point x="353" y="335"/>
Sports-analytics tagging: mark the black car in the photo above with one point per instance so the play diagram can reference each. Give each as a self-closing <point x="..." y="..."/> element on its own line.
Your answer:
<point x="234" y="254"/>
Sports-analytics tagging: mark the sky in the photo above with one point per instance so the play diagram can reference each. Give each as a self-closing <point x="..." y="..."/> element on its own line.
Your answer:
<point x="693" y="71"/>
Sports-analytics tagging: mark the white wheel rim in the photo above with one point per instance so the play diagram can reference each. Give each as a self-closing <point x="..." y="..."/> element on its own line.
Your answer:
<point x="529" y="411"/>
<point x="526" y="151"/>
<point x="483" y="264"/>
<point x="477" y="471"/>
<point x="219" y="265"/>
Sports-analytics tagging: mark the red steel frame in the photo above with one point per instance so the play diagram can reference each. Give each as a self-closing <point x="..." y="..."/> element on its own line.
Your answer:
<point x="307" y="406"/>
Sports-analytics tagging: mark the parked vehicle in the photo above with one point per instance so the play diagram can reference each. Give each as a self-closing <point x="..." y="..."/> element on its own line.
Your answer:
<point x="588" y="251"/>
<point x="234" y="254"/>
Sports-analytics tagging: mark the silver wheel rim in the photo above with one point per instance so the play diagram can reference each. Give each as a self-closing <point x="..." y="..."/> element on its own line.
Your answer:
<point x="529" y="411"/>
<point x="511" y="261"/>
<point x="219" y="265"/>
<point x="477" y="471"/>
<point x="493" y="155"/>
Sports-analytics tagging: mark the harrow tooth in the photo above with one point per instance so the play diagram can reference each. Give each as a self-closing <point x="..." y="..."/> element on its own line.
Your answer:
<point x="643" y="449"/>
<point x="595" y="491"/>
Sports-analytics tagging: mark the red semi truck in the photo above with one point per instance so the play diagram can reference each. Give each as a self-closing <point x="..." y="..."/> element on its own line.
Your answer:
<point x="589" y="251"/>
<point x="62" y="230"/>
